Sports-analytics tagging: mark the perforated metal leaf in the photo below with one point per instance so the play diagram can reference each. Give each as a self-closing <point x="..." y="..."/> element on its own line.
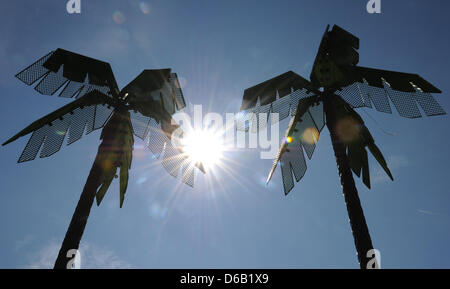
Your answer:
<point x="35" y="71"/>
<point x="292" y="162"/>
<point x="376" y="95"/>
<point x="187" y="172"/>
<point x="361" y="94"/>
<point x="301" y="135"/>
<point x="429" y="105"/>
<point x="51" y="82"/>
<point x="140" y="124"/>
<point x="51" y="136"/>
<point x="352" y="95"/>
<point x="157" y="140"/>
<point x="296" y="96"/>
<point x="283" y="107"/>
<point x="174" y="161"/>
<point x="404" y="102"/>
<point x="72" y="74"/>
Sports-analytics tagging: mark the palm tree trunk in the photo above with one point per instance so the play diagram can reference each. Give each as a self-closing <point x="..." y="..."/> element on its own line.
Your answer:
<point x="358" y="223"/>
<point x="80" y="216"/>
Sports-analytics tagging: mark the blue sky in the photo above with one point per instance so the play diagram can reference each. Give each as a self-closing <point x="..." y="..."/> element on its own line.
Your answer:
<point x="227" y="221"/>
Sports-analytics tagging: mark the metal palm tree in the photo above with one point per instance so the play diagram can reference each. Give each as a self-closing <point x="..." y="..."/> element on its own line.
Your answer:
<point x="144" y="108"/>
<point x="337" y="86"/>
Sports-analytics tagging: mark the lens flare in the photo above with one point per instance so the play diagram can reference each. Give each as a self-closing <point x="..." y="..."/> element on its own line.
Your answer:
<point x="347" y="129"/>
<point x="118" y="17"/>
<point x="310" y="135"/>
<point x="158" y="211"/>
<point x="145" y="7"/>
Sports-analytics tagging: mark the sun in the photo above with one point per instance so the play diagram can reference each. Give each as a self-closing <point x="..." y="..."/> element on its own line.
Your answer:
<point x="203" y="146"/>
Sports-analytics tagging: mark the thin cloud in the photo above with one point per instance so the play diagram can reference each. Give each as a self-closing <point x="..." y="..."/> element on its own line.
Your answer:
<point x="92" y="256"/>
<point x="427" y="212"/>
<point x="19" y="244"/>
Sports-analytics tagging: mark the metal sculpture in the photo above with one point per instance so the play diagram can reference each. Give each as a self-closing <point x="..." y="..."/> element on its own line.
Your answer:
<point x="144" y="108"/>
<point x="337" y="86"/>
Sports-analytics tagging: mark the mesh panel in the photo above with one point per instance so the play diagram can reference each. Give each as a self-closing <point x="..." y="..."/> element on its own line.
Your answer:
<point x="172" y="160"/>
<point x="51" y="137"/>
<point x="306" y="131"/>
<point x="304" y="136"/>
<point x="404" y="102"/>
<point x="292" y="161"/>
<point x="281" y="106"/>
<point x="286" y="174"/>
<point x="102" y="114"/>
<point x="253" y="119"/>
<point x="295" y="98"/>
<point x="35" y="71"/>
<point x="318" y="115"/>
<point x="365" y="98"/>
<point x="157" y="138"/>
<point x="352" y="95"/>
<point x="34" y="144"/>
<point x="429" y="105"/>
<point x="51" y="82"/>
<point x="188" y="173"/>
<point x="378" y="97"/>
<point x="55" y="135"/>
<point x="140" y="124"/>
<point x="262" y="122"/>
<point x="243" y="119"/>
<point x="177" y="137"/>
<point x="81" y="118"/>
<point x="71" y="89"/>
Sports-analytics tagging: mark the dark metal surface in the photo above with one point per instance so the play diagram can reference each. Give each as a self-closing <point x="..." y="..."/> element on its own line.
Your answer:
<point x="267" y="91"/>
<point x="151" y="87"/>
<point x="360" y="231"/>
<point x="73" y="74"/>
<point x="114" y="152"/>
<point x="398" y="80"/>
